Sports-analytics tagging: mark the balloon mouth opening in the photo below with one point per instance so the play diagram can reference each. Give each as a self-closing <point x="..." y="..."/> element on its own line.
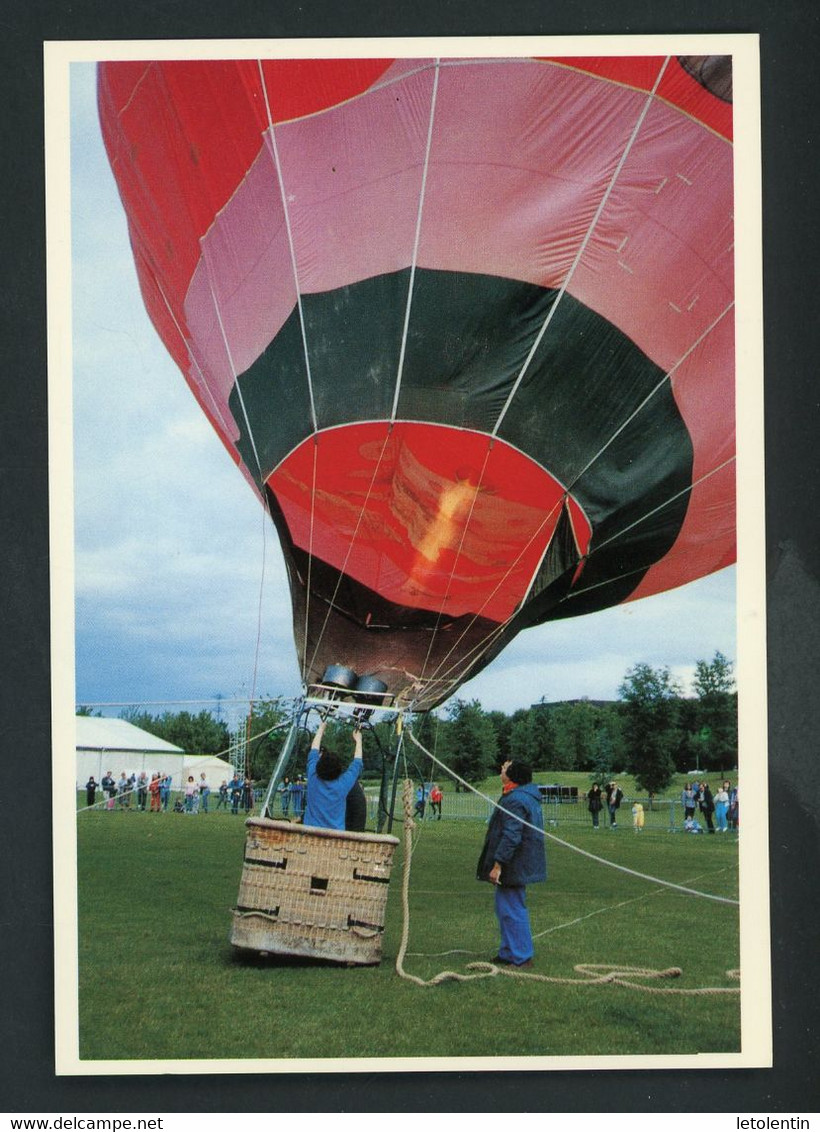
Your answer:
<point x="414" y="551"/>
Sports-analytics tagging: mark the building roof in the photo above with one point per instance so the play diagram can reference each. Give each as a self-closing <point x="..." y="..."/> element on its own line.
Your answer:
<point x="95" y="733"/>
<point x="208" y="763"/>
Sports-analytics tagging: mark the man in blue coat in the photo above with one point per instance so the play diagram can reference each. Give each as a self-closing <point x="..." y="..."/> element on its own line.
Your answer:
<point x="513" y="856"/>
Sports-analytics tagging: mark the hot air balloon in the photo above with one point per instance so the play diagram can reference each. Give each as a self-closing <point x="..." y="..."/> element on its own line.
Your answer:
<point x="465" y="325"/>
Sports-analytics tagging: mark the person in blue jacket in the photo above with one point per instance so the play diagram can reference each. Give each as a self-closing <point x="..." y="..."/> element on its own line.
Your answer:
<point x="329" y="781"/>
<point x="513" y="856"/>
<point x="297" y="796"/>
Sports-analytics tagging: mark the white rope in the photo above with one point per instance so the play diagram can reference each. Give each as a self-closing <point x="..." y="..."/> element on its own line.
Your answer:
<point x="259" y="618"/>
<point x="416" y="243"/>
<point x="464" y="661"/>
<point x="456" y="559"/>
<point x="291" y="246"/>
<point x="399" y="374"/>
<point x="310" y="553"/>
<point x="229" y="352"/>
<point x="539" y="337"/>
<point x="546" y="931"/>
<point x="583" y="246"/>
<point x="562" y="291"/>
<point x="189" y="349"/>
<point x="162" y="703"/>
<point x="349" y="551"/>
<point x="198" y="762"/>
<point x="455" y="674"/>
<point x="569" y="845"/>
<point x="612" y="908"/>
<point x="266" y="507"/>
<point x="303" y="331"/>
<point x="593" y="974"/>
<point x="667" y="378"/>
<point x="685" y="491"/>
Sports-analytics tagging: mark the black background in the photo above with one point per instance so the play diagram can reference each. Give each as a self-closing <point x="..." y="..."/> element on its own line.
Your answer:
<point x="791" y="138"/>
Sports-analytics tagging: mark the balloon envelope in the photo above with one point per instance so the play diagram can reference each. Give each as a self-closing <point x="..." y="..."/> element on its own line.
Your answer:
<point x="466" y="326"/>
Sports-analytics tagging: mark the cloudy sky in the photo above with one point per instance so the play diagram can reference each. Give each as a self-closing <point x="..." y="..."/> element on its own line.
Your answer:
<point x="177" y="575"/>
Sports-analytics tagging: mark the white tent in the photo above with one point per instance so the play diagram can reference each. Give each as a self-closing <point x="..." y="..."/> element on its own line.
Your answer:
<point x="116" y="745"/>
<point x="213" y="768"/>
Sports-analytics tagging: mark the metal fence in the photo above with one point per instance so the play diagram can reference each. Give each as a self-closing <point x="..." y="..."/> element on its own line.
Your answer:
<point x="662" y="814"/>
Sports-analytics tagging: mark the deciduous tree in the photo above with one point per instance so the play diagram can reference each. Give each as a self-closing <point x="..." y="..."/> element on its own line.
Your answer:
<point x="472" y="745"/>
<point x="650" y="710"/>
<point x="714" y="685"/>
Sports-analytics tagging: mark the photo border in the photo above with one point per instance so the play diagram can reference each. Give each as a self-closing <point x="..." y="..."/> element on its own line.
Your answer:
<point x="791" y="108"/>
<point x="755" y="1008"/>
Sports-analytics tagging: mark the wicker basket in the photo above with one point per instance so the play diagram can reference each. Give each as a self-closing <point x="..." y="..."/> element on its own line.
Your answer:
<point x="319" y="893"/>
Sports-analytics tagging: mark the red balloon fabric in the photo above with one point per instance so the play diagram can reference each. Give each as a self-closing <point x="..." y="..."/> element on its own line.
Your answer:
<point x="465" y="325"/>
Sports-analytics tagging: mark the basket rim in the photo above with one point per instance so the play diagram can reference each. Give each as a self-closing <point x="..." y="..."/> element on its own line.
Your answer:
<point x="318" y="831"/>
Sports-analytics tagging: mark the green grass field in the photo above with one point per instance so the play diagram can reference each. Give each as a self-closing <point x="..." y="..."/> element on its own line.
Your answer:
<point x="159" y="979"/>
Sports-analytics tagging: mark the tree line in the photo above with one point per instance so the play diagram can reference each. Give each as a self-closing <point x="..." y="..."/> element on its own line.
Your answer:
<point x="651" y="731"/>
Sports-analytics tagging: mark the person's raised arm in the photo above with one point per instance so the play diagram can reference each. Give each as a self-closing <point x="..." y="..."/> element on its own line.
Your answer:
<point x="357" y="744"/>
<point x="317" y="738"/>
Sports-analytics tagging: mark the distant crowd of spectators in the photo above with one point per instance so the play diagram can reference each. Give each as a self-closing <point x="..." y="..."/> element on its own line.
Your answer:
<point x="721" y="808"/>
<point x="139" y="792"/>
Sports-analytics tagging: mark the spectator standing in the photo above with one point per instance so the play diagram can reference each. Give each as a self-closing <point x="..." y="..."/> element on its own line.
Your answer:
<point x="109" y="787"/>
<point x="614" y="794"/>
<point x="722" y="807"/>
<point x="235" y="788"/>
<point x="688" y="799"/>
<point x="166" y="782"/>
<point x="595" y="803"/>
<point x="297" y="796"/>
<point x="142" y="790"/>
<point x="124" y="792"/>
<point x="707" y="806"/>
<point x="191" y="795"/>
<point x="284" y="795"/>
<point x="435" y="801"/>
<point x="733" y="814"/>
<point x="247" y="794"/>
<point x="153" y="790"/>
<point x="222" y="799"/>
<point x="90" y="791"/>
<point x="418" y="810"/>
<point x="204" y="792"/>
